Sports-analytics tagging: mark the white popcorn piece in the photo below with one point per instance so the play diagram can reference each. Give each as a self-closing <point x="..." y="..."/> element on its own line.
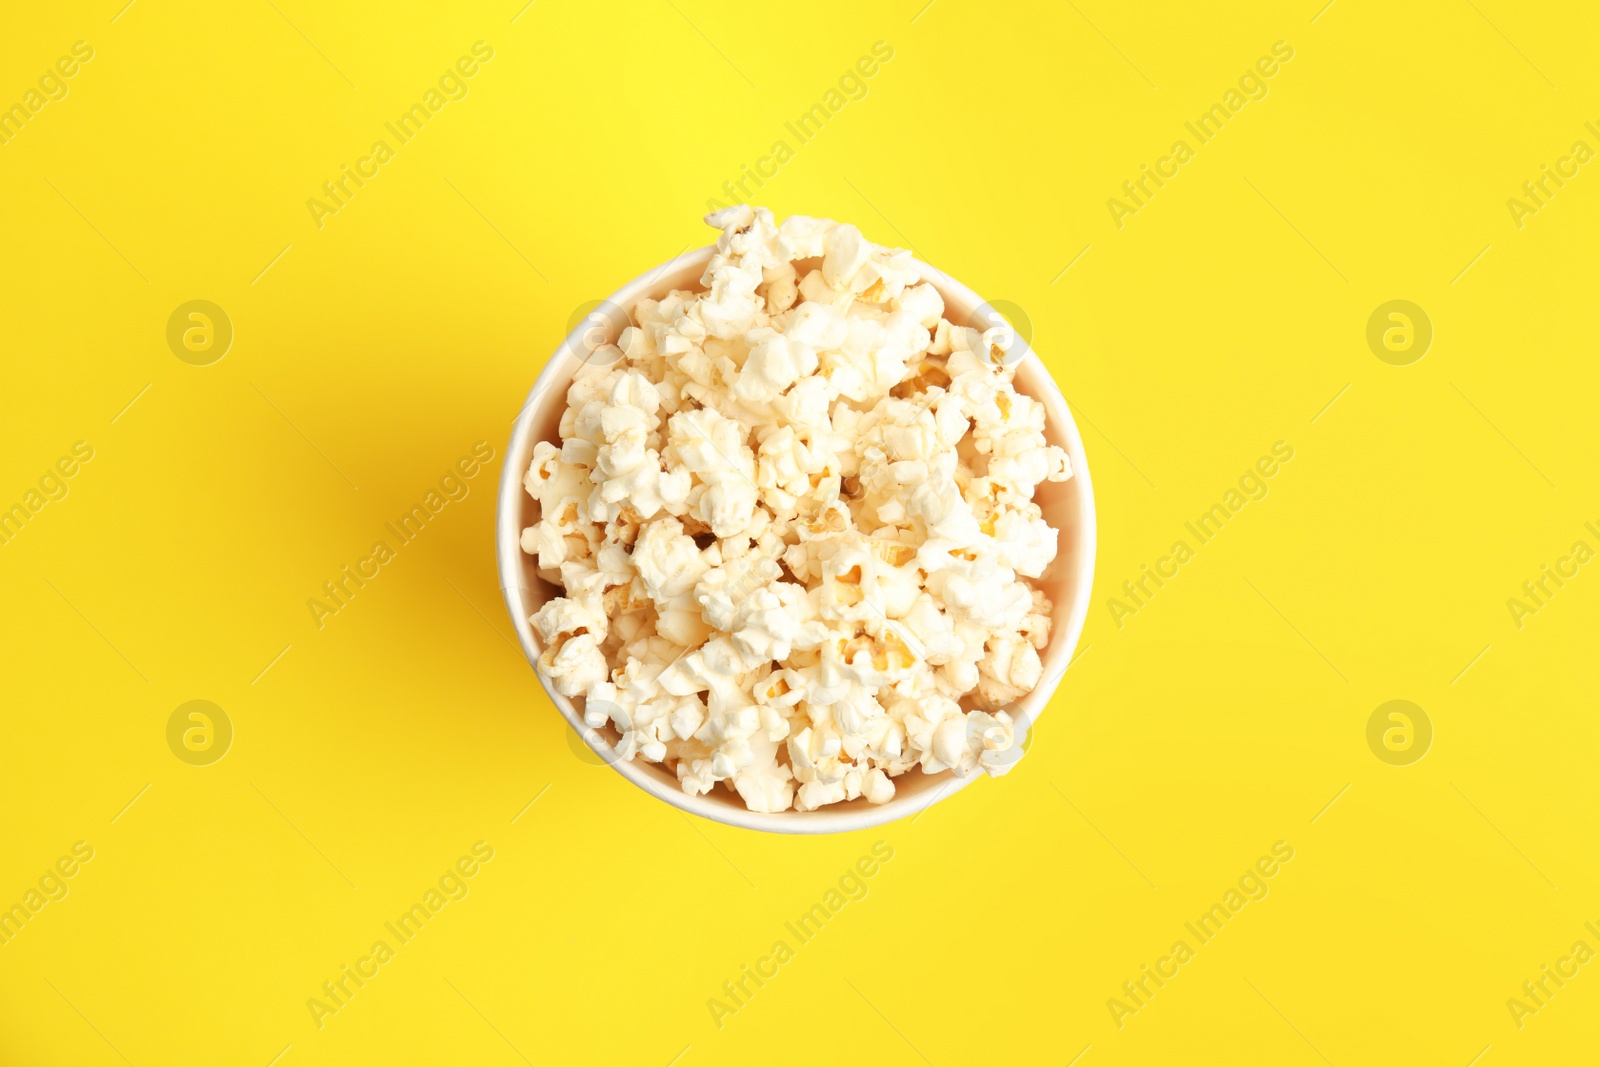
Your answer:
<point x="791" y="511"/>
<point x="668" y="560"/>
<point x="574" y="664"/>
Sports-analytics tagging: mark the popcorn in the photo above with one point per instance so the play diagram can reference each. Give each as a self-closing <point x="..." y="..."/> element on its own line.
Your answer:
<point x="574" y="664"/>
<point x="792" y="516"/>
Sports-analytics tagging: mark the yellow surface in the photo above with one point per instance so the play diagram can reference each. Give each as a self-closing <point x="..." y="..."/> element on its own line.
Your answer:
<point x="1228" y="713"/>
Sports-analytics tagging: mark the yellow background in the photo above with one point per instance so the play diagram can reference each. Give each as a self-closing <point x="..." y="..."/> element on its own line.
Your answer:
<point x="1223" y="717"/>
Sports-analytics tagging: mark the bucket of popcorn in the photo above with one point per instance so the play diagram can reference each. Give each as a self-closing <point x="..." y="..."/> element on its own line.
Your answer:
<point x="787" y="546"/>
